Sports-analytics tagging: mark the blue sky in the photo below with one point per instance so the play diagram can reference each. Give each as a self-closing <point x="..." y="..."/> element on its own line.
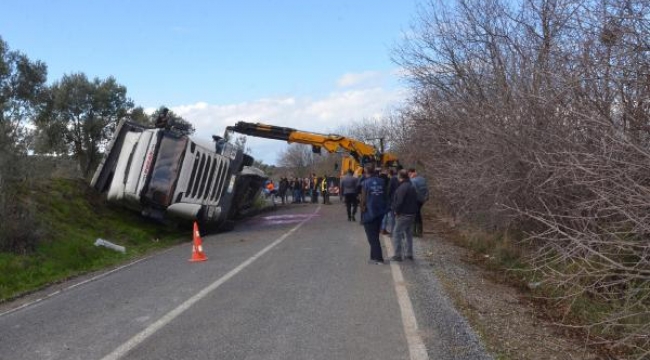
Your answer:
<point x="313" y="65"/>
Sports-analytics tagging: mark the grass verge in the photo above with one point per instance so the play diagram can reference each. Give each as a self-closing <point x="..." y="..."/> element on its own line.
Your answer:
<point x="71" y="216"/>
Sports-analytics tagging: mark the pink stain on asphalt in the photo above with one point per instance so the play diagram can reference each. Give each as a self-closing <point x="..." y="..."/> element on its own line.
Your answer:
<point x="285" y="219"/>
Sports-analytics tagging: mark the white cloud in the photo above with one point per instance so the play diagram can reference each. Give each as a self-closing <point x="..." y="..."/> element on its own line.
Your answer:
<point x="356" y="79"/>
<point x="321" y="115"/>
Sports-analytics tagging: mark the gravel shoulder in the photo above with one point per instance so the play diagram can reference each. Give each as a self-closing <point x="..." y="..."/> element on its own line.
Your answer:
<point x="445" y="331"/>
<point x="504" y="318"/>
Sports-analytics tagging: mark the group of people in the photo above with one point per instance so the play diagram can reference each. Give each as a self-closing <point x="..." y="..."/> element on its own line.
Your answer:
<point x="299" y="188"/>
<point x="390" y="203"/>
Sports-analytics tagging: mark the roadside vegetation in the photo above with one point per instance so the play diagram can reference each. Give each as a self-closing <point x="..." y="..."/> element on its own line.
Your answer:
<point x="531" y="121"/>
<point x="67" y="216"/>
<point x="51" y="137"/>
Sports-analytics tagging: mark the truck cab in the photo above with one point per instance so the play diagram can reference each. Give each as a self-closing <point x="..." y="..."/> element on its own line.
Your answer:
<point x="165" y="173"/>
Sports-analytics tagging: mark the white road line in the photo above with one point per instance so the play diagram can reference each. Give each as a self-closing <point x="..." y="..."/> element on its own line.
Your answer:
<point x="417" y="350"/>
<point x="170" y="316"/>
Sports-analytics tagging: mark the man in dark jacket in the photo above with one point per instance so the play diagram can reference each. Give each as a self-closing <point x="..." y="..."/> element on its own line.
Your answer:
<point x="373" y="208"/>
<point x="295" y="185"/>
<point x="405" y="207"/>
<point x="349" y="186"/>
<point x="313" y="188"/>
<point x="420" y="185"/>
<point x="282" y="192"/>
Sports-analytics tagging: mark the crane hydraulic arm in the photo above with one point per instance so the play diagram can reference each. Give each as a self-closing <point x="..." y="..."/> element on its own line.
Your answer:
<point x="360" y="151"/>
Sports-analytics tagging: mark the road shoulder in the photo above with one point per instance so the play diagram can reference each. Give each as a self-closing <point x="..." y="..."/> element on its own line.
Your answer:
<point x="444" y="331"/>
<point x="506" y="323"/>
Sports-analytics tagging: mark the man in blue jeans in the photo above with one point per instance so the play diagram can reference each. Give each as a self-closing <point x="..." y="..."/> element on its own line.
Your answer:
<point x="405" y="206"/>
<point x="373" y="208"/>
<point x="389" y="219"/>
<point x="420" y="185"/>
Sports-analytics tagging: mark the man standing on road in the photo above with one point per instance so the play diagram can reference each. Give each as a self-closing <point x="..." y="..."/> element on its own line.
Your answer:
<point x="325" y="191"/>
<point x="373" y="208"/>
<point x="420" y="185"/>
<point x="405" y="207"/>
<point x="349" y="186"/>
<point x="295" y="190"/>
<point x="313" y="187"/>
<point x="389" y="220"/>
<point x="282" y="192"/>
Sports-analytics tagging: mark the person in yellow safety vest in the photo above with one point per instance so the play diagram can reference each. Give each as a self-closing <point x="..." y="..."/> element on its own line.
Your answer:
<point x="323" y="190"/>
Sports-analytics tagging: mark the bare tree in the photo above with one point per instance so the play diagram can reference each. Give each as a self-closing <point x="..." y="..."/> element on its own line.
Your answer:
<point x="302" y="162"/>
<point x="535" y="114"/>
<point x="297" y="157"/>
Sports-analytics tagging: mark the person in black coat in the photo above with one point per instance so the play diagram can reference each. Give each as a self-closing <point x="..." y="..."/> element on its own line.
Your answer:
<point x="373" y="206"/>
<point x="405" y="207"/>
<point x="284" y="186"/>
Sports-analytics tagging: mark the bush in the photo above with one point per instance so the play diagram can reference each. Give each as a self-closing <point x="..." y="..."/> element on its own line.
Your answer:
<point x="19" y="228"/>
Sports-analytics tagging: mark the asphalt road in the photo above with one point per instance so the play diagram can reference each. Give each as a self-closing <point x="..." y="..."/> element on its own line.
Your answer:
<point x="293" y="283"/>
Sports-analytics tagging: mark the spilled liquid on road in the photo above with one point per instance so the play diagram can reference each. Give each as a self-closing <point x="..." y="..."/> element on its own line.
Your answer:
<point x="284" y="219"/>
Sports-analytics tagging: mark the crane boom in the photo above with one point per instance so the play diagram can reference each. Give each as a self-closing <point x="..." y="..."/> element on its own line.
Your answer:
<point x="359" y="150"/>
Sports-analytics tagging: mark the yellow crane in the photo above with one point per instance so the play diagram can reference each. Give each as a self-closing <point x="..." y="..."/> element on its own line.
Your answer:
<point x="359" y="152"/>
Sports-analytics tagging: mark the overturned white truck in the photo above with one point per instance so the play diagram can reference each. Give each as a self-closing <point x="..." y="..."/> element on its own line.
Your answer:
<point x="162" y="173"/>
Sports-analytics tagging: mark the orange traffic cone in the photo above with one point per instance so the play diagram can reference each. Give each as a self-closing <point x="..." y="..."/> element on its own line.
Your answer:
<point x="197" y="246"/>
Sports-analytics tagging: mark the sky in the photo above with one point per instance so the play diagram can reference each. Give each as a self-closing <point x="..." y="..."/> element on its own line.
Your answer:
<point x="310" y="65"/>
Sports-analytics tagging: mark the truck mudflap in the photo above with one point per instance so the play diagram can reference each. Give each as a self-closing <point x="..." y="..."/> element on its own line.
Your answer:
<point x="104" y="174"/>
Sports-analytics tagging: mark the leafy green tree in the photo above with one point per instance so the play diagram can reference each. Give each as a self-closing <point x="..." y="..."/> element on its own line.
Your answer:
<point x="21" y="84"/>
<point x="79" y="116"/>
<point x="138" y="115"/>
